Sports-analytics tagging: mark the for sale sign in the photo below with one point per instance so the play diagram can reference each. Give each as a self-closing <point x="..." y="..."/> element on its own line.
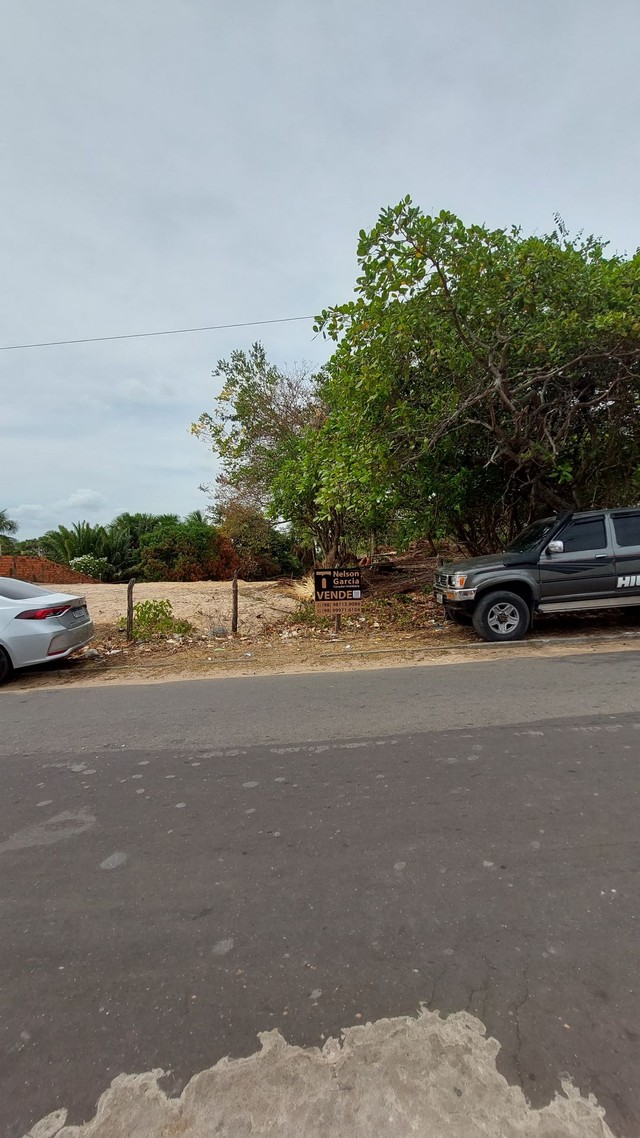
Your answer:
<point x="338" y="592"/>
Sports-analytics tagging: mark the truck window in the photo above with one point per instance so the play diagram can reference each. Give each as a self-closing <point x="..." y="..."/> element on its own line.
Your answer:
<point x="583" y="535"/>
<point x="627" y="529"/>
<point x="530" y="537"/>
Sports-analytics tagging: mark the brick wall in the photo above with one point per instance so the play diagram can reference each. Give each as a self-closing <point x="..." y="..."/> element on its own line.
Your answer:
<point x="42" y="572"/>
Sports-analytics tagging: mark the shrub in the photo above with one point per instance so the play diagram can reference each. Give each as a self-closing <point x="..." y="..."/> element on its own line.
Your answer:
<point x="155" y="618"/>
<point x="306" y="614"/>
<point x="91" y="565"/>
<point x="187" y="551"/>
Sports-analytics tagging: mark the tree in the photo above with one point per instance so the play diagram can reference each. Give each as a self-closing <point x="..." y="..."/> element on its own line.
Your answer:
<point x="65" y="543"/>
<point x="110" y="543"/>
<point x="136" y="525"/>
<point x="263" y="429"/>
<point x="123" y="537"/>
<point x="262" y="549"/>
<point x="7" y="525"/>
<point x="31" y="547"/>
<point x="482" y="377"/>
<point x="7" y="528"/>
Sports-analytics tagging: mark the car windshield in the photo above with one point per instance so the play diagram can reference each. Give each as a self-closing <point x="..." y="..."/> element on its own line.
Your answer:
<point x="530" y="537"/>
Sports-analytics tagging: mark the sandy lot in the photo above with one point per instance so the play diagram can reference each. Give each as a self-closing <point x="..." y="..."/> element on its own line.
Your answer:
<point x="205" y="603"/>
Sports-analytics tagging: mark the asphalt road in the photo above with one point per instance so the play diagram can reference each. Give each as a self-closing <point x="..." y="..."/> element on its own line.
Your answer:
<point x="184" y="865"/>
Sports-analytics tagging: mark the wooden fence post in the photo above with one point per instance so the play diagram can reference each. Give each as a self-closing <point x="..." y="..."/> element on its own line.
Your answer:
<point x="234" y="603"/>
<point x="130" y="608"/>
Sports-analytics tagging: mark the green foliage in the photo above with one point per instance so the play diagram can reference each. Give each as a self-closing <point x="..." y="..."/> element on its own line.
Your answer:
<point x="136" y="525"/>
<point x="305" y="614"/>
<point x="481" y="377"/>
<point x="7" y="528"/>
<point x="80" y="540"/>
<point x="117" y="543"/>
<point x="155" y="618"/>
<point x="91" y="566"/>
<point x="150" y="547"/>
<point x="7" y="525"/>
<point x="186" y="551"/>
<point x="31" y="547"/>
<point x="263" y="428"/>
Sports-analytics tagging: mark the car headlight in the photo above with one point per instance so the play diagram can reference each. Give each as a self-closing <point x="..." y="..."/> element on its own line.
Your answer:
<point x="458" y="580"/>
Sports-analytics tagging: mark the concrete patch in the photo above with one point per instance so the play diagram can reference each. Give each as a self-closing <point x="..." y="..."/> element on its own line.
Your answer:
<point x="55" y="829"/>
<point x="114" y="861"/>
<point x="223" y="946"/>
<point x="424" y="1077"/>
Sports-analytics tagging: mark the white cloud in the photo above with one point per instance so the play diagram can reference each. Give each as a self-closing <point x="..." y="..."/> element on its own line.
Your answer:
<point x="29" y="514"/>
<point x="82" y="500"/>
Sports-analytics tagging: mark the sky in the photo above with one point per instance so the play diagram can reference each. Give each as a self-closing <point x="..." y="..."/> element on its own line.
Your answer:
<point x="177" y="163"/>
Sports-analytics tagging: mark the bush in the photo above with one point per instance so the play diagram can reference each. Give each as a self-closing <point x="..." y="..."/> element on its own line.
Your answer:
<point x="262" y="549"/>
<point x="306" y="614"/>
<point x="155" y="618"/>
<point x="91" y="566"/>
<point x="187" y="551"/>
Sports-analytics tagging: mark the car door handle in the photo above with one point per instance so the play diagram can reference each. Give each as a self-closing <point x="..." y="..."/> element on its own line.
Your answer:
<point x="601" y="556"/>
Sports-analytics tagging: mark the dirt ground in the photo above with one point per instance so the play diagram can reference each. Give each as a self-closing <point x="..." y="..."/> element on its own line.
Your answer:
<point x="206" y="604"/>
<point x="279" y="635"/>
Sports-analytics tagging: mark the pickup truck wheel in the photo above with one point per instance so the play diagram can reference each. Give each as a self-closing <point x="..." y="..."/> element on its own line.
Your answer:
<point x="5" y="666"/>
<point x="501" y="616"/>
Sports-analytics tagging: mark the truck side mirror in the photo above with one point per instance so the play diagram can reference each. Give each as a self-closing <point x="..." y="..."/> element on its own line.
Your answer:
<point x="554" y="547"/>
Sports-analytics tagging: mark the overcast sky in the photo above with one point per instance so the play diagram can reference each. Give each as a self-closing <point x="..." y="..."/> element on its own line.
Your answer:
<point x="170" y="163"/>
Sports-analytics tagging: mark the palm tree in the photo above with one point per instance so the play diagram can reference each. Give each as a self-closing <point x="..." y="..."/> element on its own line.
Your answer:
<point x="7" y="527"/>
<point x="198" y="516"/>
<point x="140" y="524"/>
<point x="63" y="544"/>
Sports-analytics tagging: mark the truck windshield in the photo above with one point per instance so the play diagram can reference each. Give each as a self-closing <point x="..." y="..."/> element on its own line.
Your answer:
<point x="530" y="537"/>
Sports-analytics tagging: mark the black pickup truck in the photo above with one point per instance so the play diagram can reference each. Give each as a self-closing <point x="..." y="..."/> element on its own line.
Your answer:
<point x="571" y="563"/>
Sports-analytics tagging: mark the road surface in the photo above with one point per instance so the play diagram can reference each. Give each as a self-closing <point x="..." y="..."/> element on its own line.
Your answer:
<point x="185" y="865"/>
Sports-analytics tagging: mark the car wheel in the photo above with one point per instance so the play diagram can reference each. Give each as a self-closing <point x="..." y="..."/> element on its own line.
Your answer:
<point x="457" y="617"/>
<point x="5" y="666"/>
<point x="501" y="616"/>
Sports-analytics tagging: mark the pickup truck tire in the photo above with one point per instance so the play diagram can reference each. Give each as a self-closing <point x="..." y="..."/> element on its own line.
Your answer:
<point x="501" y="616"/>
<point x="5" y="666"/>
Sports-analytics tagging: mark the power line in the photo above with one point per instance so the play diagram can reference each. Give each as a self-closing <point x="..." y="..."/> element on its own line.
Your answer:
<point x="145" y="335"/>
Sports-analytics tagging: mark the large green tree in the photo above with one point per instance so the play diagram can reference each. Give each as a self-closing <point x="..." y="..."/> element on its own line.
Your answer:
<point x="263" y="427"/>
<point x="481" y="377"/>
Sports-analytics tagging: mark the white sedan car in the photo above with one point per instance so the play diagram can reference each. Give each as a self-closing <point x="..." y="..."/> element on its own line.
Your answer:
<point x="37" y="625"/>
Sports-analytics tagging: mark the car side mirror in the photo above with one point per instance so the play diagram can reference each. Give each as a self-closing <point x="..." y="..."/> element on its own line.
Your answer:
<point x="554" y="547"/>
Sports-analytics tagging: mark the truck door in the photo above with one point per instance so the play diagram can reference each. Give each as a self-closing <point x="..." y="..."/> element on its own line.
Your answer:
<point x="626" y="544"/>
<point x="584" y="572"/>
